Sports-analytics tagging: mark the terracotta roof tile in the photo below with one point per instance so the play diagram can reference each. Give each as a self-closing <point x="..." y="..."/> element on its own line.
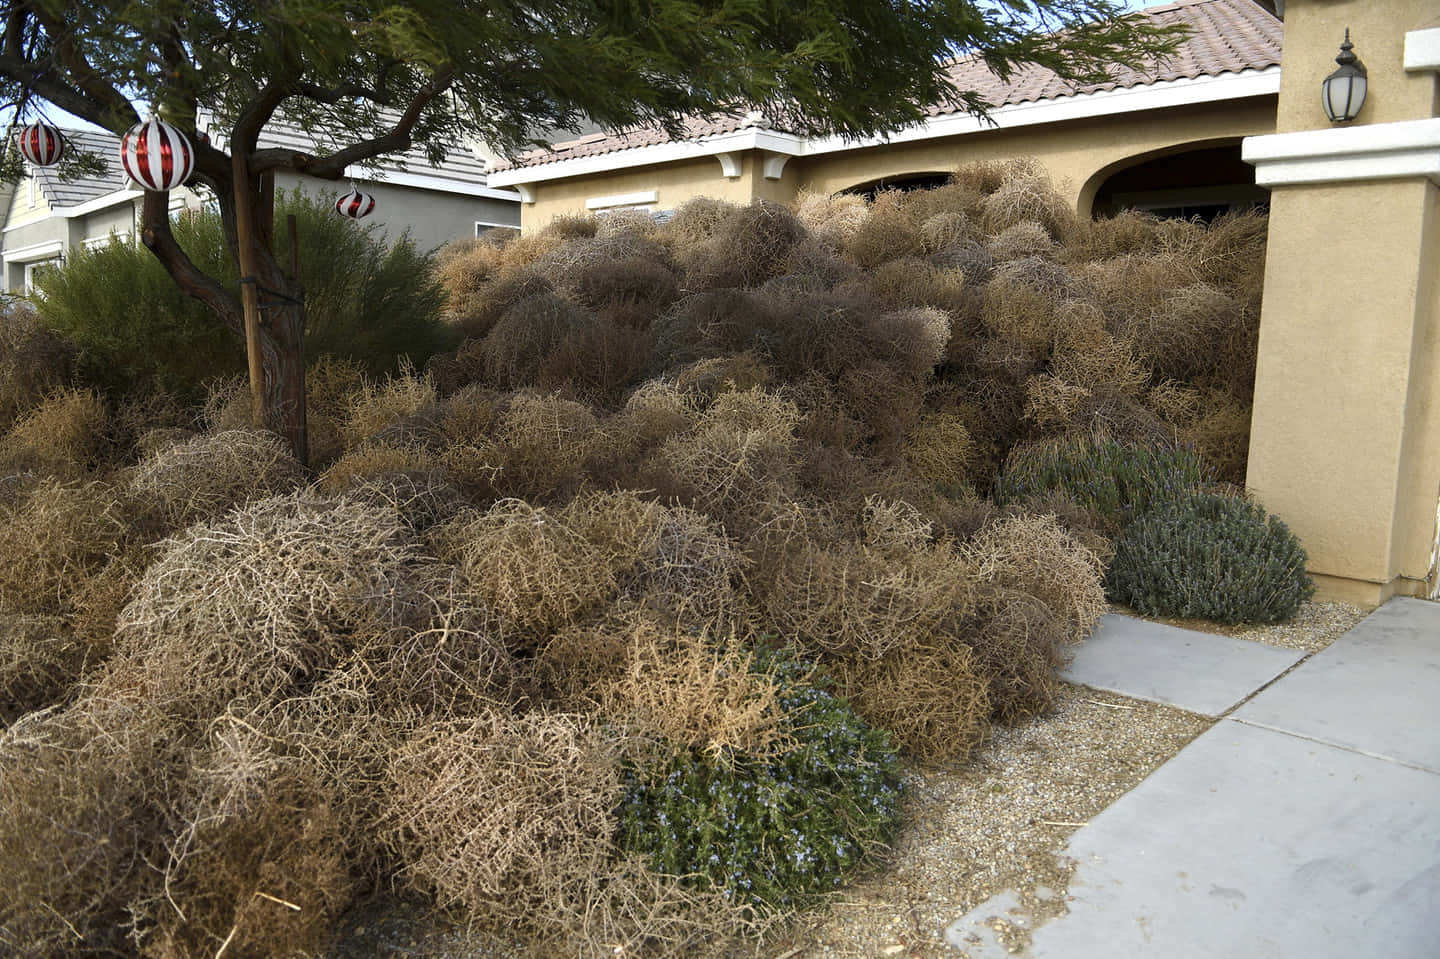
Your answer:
<point x="1226" y="36"/>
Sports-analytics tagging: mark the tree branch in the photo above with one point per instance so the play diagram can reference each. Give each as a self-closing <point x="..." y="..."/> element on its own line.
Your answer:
<point x="333" y="166"/>
<point x="156" y="235"/>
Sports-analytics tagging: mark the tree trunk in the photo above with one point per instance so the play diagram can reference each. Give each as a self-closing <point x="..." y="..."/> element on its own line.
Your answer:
<point x="282" y="348"/>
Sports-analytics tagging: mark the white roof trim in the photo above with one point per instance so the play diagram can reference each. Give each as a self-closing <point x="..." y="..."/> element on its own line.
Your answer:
<point x="100" y="203"/>
<point x="35" y="251"/>
<point x="1372" y="151"/>
<point x="1154" y="96"/>
<point x="427" y="181"/>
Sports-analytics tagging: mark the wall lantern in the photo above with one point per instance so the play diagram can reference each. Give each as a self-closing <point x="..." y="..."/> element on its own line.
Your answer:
<point x="1343" y="92"/>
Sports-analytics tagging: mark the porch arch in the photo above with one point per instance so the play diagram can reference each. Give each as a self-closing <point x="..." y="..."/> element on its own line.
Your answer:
<point x="1199" y="176"/>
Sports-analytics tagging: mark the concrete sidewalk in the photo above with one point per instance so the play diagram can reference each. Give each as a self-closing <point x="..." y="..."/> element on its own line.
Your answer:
<point x="1305" y="823"/>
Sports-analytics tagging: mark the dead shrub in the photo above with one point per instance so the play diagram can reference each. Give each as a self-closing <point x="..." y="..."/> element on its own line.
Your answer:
<point x="858" y="602"/>
<point x="736" y="373"/>
<point x="1028" y="197"/>
<point x="932" y="698"/>
<point x="629" y="909"/>
<point x="684" y="691"/>
<point x="939" y="449"/>
<point x="1054" y="404"/>
<point x="574" y="226"/>
<point x="749" y="246"/>
<point x="498" y="816"/>
<point x="1178" y="339"/>
<point x="1023" y="300"/>
<point x="539" y="446"/>
<point x="951" y="197"/>
<point x="33" y="361"/>
<point x="1174" y="402"/>
<point x="54" y="537"/>
<point x="739" y="456"/>
<point x="378" y="407"/>
<point x="530" y="566"/>
<point x="695" y="221"/>
<point x="96" y="602"/>
<point x="464" y="267"/>
<point x="887" y="234"/>
<point x="984" y="177"/>
<point x="895" y="525"/>
<point x="638" y="280"/>
<point x="832" y="219"/>
<point x="1221" y="435"/>
<point x="373" y="460"/>
<point x="40" y="661"/>
<point x="1127" y="233"/>
<point x="258" y="859"/>
<point x="526" y="334"/>
<point x="706" y="325"/>
<point x="329" y="383"/>
<point x="488" y="303"/>
<point x="1231" y="251"/>
<point x="912" y="282"/>
<point x="1034" y="554"/>
<point x="63" y="435"/>
<point x="944" y="230"/>
<point x="597" y="362"/>
<point x="77" y="825"/>
<point x="265" y="600"/>
<point x="1024" y="239"/>
<point x="969" y="257"/>
<point x="212" y="473"/>
<point x="1018" y="642"/>
<point x="1092" y="358"/>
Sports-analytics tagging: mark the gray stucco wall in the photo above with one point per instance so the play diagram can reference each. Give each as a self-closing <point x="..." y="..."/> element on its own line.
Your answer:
<point x="433" y="218"/>
<point x="118" y="219"/>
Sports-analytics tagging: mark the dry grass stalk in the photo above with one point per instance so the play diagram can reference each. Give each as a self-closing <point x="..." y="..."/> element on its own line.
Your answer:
<point x="376" y="406"/>
<point x="54" y="537"/>
<point x="61" y="436"/>
<point x="496" y="816"/>
<point x="40" y="660"/>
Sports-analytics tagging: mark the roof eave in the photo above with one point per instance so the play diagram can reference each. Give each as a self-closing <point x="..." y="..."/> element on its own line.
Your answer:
<point x="1159" y="95"/>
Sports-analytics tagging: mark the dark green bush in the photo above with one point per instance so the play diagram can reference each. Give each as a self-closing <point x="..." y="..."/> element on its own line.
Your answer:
<point x="776" y="831"/>
<point x="1116" y="481"/>
<point x="137" y="330"/>
<point x="1213" y="557"/>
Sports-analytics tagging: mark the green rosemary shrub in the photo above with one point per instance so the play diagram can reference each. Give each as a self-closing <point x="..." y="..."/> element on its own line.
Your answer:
<point x="1115" y="481"/>
<point x="771" y="832"/>
<point x="1213" y="557"/>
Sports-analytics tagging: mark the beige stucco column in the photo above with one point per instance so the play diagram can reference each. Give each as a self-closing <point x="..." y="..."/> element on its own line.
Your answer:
<point x="1345" y="438"/>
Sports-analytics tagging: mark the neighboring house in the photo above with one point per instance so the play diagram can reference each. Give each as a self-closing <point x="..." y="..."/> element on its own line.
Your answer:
<point x="44" y="216"/>
<point x="1166" y="139"/>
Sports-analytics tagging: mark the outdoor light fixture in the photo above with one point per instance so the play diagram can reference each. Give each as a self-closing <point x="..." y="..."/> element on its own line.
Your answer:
<point x="1343" y="92"/>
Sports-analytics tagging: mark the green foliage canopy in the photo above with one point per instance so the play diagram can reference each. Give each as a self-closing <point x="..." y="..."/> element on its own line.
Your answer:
<point x="366" y="299"/>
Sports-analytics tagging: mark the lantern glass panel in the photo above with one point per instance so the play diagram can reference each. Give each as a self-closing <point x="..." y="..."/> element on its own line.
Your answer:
<point x="1343" y="96"/>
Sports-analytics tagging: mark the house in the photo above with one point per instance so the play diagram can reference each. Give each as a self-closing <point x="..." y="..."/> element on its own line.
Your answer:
<point x="1167" y="138"/>
<point x="45" y="216"/>
<point x="1345" y="433"/>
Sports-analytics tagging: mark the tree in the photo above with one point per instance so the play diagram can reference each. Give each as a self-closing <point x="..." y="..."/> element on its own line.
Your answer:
<point x="374" y="77"/>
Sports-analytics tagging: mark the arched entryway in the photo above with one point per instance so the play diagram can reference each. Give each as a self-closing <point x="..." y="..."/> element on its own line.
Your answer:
<point x="1196" y="179"/>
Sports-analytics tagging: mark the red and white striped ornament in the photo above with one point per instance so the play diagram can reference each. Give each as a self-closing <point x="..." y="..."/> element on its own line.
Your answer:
<point x="355" y="204"/>
<point x="41" y="144"/>
<point x="156" y="155"/>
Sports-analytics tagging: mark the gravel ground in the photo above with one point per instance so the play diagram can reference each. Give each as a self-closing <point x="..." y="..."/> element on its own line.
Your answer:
<point x="998" y="822"/>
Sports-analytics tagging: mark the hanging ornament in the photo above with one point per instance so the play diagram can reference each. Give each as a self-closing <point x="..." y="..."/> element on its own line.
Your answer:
<point x="355" y="204"/>
<point x="41" y="144"/>
<point x="156" y="155"/>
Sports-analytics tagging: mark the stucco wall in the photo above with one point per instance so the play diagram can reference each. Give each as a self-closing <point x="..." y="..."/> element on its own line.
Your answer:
<point x="118" y="219"/>
<point x="1314" y="30"/>
<point x="1079" y="154"/>
<point x="1342" y="395"/>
